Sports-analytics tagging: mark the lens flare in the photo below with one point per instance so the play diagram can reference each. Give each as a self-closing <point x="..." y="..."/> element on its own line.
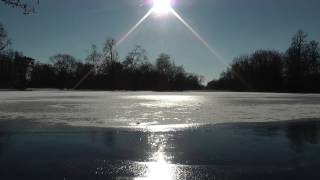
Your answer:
<point x="100" y="61"/>
<point x="199" y="37"/>
<point x="134" y="27"/>
<point x="162" y="7"/>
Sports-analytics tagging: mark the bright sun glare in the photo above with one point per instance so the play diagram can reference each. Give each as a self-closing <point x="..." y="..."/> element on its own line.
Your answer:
<point x="162" y="7"/>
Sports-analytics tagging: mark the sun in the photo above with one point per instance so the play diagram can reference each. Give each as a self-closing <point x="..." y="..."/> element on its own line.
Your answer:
<point x="162" y="7"/>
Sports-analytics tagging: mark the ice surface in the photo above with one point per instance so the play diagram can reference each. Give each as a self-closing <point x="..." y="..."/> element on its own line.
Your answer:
<point x="115" y="109"/>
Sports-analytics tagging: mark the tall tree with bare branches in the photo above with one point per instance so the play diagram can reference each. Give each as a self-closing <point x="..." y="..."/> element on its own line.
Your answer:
<point x="4" y="40"/>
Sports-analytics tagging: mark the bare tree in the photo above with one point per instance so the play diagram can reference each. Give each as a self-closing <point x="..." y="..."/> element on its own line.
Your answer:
<point x="163" y="64"/>
<point x="64" y="63"/>
<point x="110" y="57"/>
<point x="109" y="51"/>
<point x="297" y="61"/>
<point x="135" y="58"/>
<point x="313" y="57"/>
<point x="93" y="59"/>
<point x="298" y="44"/>
<point x="94" y="55"/>
<point x="28" y="8"/>
<point x="4" y="40"/>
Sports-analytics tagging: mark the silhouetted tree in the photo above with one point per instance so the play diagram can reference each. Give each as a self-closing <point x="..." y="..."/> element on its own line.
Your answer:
<point x="266" y="71"/>
<point x="22" y="70"/>
<point x="314" y="57"/>
<point x="94" y="56"/>
<point x="261" y="71"/>
<point x="135" y="72"/>
<point x="6" y="71"/>
<point x="163" y="64"/>
<point x="4" y="39"/>
<point x="15" y="70"/>
<point x="135" y="58"/>
<point x="109" y="51"/>
<point x="172" y="77"/>
<point x="65" y="67"/>
<point x="94" y="59"/>
<point x="312" y="79"/>
<point x="164" y="69"/>
<point x="6" y="62"/>
<point x="110" y="57"/>
<point x="43" y="76"/>
<point x="135" y="66"/>
<point x="296" y="62"/>
<point x="296" y="71"/>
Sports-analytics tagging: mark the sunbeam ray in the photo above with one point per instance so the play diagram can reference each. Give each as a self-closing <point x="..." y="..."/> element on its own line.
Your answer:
<point x="206" y="44"/>
<point x="135" y="27"/>
<point x="116" y="45"/>
<point x="194" y="32"/>
<point x="199" y="37"/>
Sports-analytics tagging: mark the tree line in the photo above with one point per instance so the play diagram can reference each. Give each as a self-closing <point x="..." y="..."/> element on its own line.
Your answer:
<point x="296" y="70"/>
<point x="101" y="69"/>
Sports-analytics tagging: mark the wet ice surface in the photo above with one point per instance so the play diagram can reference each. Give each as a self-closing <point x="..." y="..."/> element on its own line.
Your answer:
<point x="274" y="150"/>
<point x="145" y="109"/>
<point x="150" y="135"/>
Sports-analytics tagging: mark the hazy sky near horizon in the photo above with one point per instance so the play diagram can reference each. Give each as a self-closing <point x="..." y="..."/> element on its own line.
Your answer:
<point x="231" y="27"/>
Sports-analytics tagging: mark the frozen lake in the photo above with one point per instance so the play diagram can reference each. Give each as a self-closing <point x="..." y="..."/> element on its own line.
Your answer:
<point x="151" y="109"/>
<point x="153" y="135"/>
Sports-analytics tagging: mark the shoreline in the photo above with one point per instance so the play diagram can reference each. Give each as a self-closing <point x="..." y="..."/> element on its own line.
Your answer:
<point x="200" y="91"/>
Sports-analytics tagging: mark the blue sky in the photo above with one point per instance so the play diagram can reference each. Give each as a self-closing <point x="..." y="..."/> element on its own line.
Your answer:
<point x="231" y="27"/>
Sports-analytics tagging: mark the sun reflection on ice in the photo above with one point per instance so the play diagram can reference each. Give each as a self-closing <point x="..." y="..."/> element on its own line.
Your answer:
<point x="161" y="112"/>
<point x="176" y="98"/>
<point x="165" y="100"/>
<point x="159" y="167"/>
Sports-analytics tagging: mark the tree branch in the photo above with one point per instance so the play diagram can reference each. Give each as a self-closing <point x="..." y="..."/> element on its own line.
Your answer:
<point x="26" y="7"/>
